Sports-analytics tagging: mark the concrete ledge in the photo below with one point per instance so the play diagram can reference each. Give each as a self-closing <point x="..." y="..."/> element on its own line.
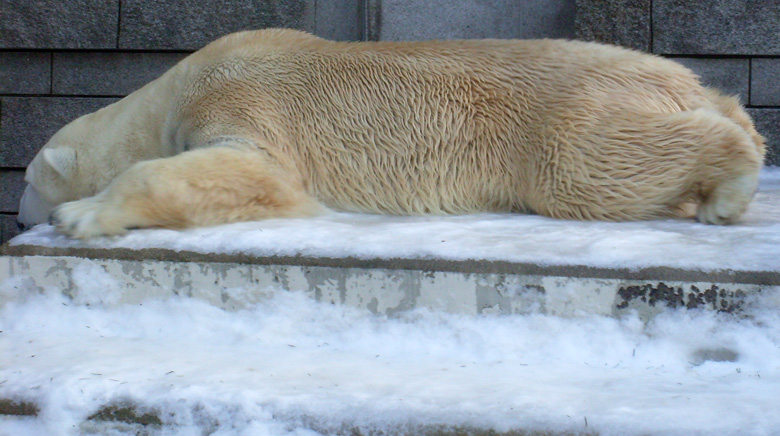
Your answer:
<point x="190" y="26"/>
<point x="764" y="278"/>
<point x="384" y="286"/>
<point x="732" y="76"/>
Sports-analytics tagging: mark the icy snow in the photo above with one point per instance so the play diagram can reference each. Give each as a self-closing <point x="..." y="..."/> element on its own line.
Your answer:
<point x="751" y="245"/>
<point x="293" y="366"/>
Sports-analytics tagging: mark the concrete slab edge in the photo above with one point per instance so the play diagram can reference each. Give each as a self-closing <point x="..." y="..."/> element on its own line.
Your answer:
<point x="387" y="291"/>
<point x="757" y="277"/>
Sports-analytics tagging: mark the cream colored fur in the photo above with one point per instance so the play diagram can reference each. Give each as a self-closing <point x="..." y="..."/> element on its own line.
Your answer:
<point x="281" y="123"/>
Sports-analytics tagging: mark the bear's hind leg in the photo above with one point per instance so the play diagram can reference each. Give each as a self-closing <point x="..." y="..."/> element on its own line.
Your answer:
<point x="196" y="188"/>
<point x="639" y="167"/>
<point x="728" y="167"/>
<point x="739" y="159"/>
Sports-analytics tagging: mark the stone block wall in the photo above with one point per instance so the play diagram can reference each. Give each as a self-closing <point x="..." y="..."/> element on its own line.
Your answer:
<point x="63" y="58"/>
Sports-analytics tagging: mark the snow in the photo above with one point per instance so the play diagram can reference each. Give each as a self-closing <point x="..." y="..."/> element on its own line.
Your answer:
<point x="750" y="245"/>
<point x="292" y="366"/>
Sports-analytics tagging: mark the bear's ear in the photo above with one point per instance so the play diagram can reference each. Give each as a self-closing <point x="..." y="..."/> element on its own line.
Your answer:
<point x="62" y="160"/>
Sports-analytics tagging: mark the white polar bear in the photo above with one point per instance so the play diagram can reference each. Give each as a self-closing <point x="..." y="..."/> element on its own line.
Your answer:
<point x="277" y="123"/>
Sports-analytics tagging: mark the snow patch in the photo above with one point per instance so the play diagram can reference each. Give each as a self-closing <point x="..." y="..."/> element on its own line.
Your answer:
<point x="290" y="365"/>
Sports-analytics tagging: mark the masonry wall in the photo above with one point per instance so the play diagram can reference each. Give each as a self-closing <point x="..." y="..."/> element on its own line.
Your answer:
<point x="63" y="58"/>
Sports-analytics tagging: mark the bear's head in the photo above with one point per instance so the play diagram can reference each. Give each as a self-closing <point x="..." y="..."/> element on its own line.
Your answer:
<point x="67" y="168"/>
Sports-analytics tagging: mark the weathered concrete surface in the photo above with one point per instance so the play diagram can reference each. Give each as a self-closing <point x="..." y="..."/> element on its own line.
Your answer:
<point x="384" y="286"/>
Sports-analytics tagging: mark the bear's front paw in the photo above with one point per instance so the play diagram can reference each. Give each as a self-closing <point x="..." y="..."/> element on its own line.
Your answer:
<point x="85" y="219"/>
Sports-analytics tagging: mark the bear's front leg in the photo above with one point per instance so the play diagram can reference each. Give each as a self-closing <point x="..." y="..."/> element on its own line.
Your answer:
<point x="201" y="187"/>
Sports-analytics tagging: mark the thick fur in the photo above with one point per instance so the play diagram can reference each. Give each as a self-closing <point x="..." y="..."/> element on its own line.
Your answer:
<point x="281" y="123"/>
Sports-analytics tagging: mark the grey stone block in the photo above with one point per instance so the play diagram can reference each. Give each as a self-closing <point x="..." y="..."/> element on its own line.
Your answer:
<point x="744" y="27"/>
<point x="83" y="24"/>
<point x="765" y="82"/>
<point x="339" y="20"/>
<point x="768" y="124"/>
<point x="27" y="123"/>
<point x="25" y="72"/>
<point x="8" y="227"/>
<point x="732" y="76"/>
<point x="620" y="22"/>
<point x="187" y="25"/>
<point x="405" y="20"/>
<point x="108" y="73"/>
<point x="12" y="182"/>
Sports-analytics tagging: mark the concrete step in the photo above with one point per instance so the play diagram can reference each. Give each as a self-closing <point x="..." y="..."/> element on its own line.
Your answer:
<point x="386" y="286"/>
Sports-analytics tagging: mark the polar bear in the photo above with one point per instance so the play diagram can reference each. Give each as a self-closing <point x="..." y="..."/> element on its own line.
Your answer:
<point x="280" y="123"/>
